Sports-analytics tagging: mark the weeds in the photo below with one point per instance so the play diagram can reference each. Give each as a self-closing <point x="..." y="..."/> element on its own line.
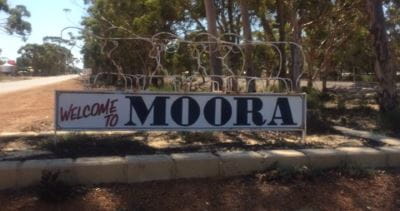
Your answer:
<point x="354" y="171"/>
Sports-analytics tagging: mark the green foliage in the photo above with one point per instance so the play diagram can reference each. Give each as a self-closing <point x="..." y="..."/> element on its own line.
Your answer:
<point x="367" y="78"/>
<point x="144" y="18"/>
<point x="45" y="59"/>
<point x="316" y="121"/>
<point x="14" y="22"/>
<point x="335" y="36"/>
<point x="315" y="98"/>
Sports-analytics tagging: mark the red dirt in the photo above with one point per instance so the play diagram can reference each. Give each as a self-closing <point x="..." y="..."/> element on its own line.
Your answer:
<point x="332" y="192"/>
<point x="31" y="110"/>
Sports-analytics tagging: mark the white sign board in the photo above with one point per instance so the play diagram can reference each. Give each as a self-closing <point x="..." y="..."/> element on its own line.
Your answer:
<point x="178" y="111"/>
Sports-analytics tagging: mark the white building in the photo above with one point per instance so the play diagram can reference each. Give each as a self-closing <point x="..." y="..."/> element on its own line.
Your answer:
<point x="7" y="68"/>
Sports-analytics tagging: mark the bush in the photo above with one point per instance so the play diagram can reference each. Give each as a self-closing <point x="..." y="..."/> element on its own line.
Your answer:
<point x="315" y="98"/>
<point x="390" y="120"/>
<point x="316" y="122"/>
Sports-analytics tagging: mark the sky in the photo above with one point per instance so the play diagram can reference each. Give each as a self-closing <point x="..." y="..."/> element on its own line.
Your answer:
<point x="48" y="18"/>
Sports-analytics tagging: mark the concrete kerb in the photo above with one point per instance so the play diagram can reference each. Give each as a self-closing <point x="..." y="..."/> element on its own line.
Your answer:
<point x="149" y="167"/>
<point x="96" y="170"/>
<point x="195" y="165"/>
<point x="392" y="156"/>
<point x="30" y="172"/>
<point x="285" y="158"/>
<point x="8" y="174"/>
<point x="324" y="158"/>
<point x="364" y="157"/>
<point x="131" y="169"/>
<point x="241" y="162"/>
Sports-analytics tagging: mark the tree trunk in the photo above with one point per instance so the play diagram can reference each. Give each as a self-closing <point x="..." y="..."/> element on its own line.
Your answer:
<point x="230" y="19"/>
<point x="324" y="79"/>
<point x="232" y="58"/>
<point x="295" y="51"/>
<point x="248" y="49"/>
<point x="215" y="62"/>
<point x="384" y="66"/>
<point x="282" y="36"/>
<point x="310" y="68"/>
<point x="309" y="80"/>
<point x="268" y="33"/>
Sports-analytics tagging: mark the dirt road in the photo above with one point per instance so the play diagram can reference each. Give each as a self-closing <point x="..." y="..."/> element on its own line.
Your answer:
<point x="32" y="109"/>
<point x="14" y="86"/>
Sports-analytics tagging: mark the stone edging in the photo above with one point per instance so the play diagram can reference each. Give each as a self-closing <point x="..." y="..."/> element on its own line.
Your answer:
<point x="131" y="169"/>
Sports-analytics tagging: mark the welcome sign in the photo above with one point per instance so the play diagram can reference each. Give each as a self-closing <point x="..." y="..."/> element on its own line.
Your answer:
<point x="77" y="110"/>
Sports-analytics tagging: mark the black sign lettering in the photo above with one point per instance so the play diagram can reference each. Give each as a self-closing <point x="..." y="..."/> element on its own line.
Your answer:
<point x="192" y="112"/>
<point x="158" y="106"/>
<point x="217" y="116"/>
<point x="243" y="111"/>
<point x="286" y="113"/>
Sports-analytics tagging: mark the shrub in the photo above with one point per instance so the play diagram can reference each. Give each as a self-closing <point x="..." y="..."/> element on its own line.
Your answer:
<point x="315" y="98"/>
<point x="316" y="122"/>
<point x="390" y="120"/>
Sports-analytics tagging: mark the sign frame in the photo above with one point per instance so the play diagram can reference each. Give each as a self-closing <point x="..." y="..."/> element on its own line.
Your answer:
<point x="302" y="127"/>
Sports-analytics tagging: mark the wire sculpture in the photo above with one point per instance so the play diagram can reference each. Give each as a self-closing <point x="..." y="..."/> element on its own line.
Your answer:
<point x="199" y="48"/>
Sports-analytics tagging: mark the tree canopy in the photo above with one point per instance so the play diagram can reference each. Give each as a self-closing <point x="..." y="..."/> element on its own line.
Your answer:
<point x="45" y="59"/>
<point x="336" y="36"/>
<point x="14" y="23"/>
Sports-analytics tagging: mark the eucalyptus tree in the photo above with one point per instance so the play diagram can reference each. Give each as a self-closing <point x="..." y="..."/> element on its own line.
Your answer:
<point x="248" y="49"/>
<point x="14" y="22"/>
<point x="109" y="20"/>
<point x="45" y="59"/>
<point x="384" y="64"/>
<point x="215" y="62"/>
